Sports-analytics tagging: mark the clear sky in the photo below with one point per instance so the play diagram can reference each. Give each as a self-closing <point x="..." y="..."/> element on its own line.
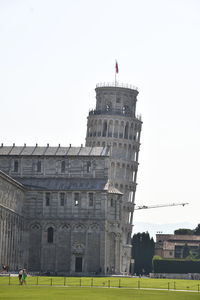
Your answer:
<point x="52" y="54"/>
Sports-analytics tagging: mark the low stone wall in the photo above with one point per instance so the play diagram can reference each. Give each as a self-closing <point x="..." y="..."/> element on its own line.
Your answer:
<point x="194" y="276"/>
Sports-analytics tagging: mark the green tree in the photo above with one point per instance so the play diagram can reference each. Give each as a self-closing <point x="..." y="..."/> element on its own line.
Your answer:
<point x="197" y="230"/>
<point x="184" y="231"/>
<point x="142" y="252"/>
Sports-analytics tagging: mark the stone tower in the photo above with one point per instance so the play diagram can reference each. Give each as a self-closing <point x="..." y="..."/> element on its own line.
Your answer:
<point x="114" y="123"/>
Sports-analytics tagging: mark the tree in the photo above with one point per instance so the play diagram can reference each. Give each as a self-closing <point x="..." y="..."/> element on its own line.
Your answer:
<point x="184" y="231"/>
<point x="142" y="252"/>
<point x="197" y="230"/>
<point x="187" y="231"/>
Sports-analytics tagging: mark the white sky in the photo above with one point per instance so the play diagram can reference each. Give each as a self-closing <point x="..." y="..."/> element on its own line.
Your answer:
<point x="52" y="54"/>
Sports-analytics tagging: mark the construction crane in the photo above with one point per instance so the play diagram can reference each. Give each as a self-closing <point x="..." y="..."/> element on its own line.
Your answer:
<point x="159" y="205"/>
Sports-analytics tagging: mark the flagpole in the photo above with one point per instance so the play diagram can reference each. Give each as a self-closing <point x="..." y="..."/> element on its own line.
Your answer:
<point x="116" y="71"/>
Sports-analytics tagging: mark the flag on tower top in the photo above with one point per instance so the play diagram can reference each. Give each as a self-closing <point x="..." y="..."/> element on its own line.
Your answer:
<point x="116" y="67"/>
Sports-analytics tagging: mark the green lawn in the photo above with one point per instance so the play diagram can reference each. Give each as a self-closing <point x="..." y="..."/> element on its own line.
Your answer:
<point x="72" y="293"/>
<point x="106" y="282"/>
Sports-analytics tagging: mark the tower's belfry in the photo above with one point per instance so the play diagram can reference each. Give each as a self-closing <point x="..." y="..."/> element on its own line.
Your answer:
<point x="114" y="123"/>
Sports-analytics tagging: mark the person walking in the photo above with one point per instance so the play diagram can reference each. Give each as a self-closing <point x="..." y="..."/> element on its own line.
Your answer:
<point x="24" y="275"/>
<point x="20" y="276"/>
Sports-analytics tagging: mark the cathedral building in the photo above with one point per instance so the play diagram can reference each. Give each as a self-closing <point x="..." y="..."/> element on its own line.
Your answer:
<point x="69" y="210"/>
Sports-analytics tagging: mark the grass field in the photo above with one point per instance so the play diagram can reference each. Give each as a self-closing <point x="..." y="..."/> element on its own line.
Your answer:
<point x="137" y="283"/>
<point x="72" y="293"/>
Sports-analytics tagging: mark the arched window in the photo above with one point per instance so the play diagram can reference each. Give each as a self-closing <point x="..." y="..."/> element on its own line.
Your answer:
<point x="110" y="128"/>
<point x="111" y="202"/>
<point x="76" y="199"/>
<point x="88" y="166"/>
<point x="126" y="131"/>
<point x="116" y="129"/>
<point x="16" y="166"/>
<point x="91" y="128"/>
<point x="50" y="235"/>
<point x="62" y="199"/>
<point x="47" y="198"/>
<point x="63" y="166"/>
<point x="39" y="166"/>
<point x="99" y="128"/>
<point x="95" y="128"/>
<point x="131" y="132"/>
<point x="118" y="100"/>
<point x="104" y="128"/>
<point x="121" y="130"/>
<point x="91" y="199"/>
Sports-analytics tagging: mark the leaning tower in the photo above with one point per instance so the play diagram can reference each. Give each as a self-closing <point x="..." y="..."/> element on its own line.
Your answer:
<point x="114" y="123"/>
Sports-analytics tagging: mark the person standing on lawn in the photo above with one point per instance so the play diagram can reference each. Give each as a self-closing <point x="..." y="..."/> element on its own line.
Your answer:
<point x="24" y="275"/>
<point x="20" y="276"/>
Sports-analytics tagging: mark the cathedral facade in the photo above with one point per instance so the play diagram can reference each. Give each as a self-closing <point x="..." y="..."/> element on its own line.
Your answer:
<point x="69" y="210"/>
